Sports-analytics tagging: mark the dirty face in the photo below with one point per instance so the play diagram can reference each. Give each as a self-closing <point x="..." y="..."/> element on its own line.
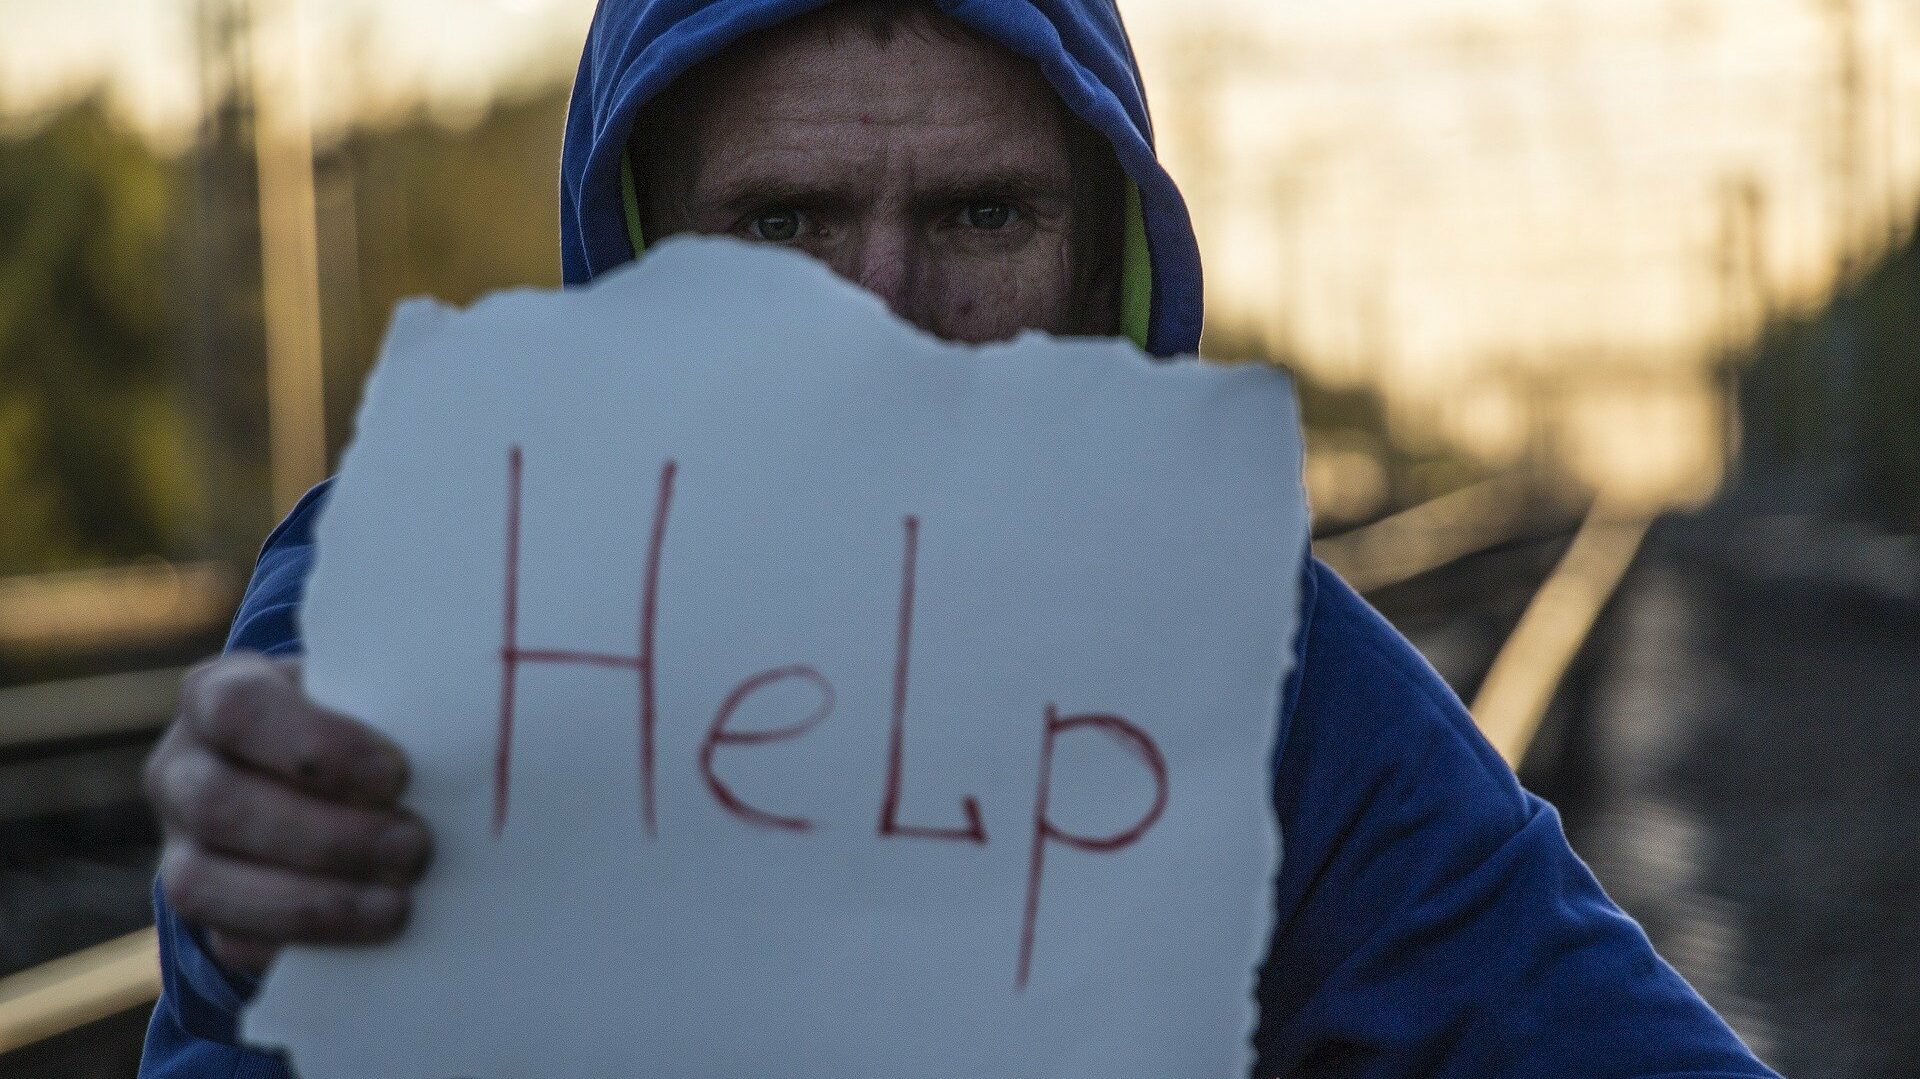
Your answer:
<point x="918" y="160"/>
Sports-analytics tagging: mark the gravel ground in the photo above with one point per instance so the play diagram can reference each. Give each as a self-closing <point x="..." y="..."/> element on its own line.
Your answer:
<point x="71" y="880"/>
<point x="1755" y="794"/>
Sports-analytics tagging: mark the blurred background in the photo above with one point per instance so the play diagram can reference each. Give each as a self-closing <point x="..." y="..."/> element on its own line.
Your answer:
<point x="1605" y="315"/>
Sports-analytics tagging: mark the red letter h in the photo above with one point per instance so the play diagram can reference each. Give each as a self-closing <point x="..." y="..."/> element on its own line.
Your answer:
<point x="512" y="655"/>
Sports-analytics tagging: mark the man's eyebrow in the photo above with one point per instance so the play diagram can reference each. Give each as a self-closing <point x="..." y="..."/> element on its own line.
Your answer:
<point x="775" y="191"/>
<point x="1012" y="182"/>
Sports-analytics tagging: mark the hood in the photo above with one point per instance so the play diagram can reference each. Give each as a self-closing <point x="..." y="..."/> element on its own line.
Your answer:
<point x="636" y="47"/>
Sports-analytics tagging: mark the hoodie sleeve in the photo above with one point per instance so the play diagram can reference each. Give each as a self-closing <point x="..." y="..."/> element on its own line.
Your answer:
<point x="193" y="1030"/>
<point x="1431" y="919"/>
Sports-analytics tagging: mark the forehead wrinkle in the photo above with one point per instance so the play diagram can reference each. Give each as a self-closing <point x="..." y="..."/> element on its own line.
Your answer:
<point x="952" y="151"/>
<point x="923" y="128"/>
<point x="829" y="105"/>
<point x="890" y="77"/>
<point x="793" y="169"/>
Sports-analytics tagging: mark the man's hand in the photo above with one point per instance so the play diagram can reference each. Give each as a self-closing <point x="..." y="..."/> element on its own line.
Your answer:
<point x="280" y="817"/>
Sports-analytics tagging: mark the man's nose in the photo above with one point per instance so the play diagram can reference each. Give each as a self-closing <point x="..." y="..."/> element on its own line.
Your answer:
<point x="884" y="263"/>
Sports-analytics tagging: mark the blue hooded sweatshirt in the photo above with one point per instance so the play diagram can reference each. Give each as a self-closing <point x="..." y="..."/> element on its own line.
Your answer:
<point x="1429" y="917"/>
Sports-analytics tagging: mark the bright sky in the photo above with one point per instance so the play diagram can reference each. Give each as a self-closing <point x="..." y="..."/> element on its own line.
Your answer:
<point x="1461" y="201"/>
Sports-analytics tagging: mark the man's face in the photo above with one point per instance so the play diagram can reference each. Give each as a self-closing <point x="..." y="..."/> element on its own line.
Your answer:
<point x="933" y="168"/>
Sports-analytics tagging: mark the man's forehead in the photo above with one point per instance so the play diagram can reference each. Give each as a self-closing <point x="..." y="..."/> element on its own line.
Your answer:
<point x="928" y="69"/>
<point x="742" y="154"/>
<point x="921" y="90"/>
<point x="809" y="106"/>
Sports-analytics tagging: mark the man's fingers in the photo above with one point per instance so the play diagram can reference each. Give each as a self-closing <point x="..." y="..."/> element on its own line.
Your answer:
<point x="260" y="902"/>
<point x="241" y="953"/>
<point x="231" y="810"/>
<point x="279" y="819"/>
<point x="252" y="709"/>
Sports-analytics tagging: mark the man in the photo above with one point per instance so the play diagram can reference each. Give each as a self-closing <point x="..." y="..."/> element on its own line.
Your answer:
<point x="984" y="170"/>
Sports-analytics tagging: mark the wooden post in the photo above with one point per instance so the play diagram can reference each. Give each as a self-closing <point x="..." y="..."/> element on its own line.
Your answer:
<point x="289" y="253"/>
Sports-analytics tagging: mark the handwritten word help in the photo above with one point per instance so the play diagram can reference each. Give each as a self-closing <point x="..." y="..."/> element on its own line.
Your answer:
<point x="1052" y="725"/>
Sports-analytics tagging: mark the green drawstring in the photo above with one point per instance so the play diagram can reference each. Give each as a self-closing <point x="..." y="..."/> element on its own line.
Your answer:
<point x="1136" y="272"/>
<point x="630" y="198"/>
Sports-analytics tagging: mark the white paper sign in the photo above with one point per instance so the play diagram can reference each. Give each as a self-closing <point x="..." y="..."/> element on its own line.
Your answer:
<point x="792" y="694"/>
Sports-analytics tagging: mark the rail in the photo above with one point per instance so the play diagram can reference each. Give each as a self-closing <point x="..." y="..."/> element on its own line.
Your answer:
<point x="95" y="707"/>
<point x="70" y="992"/>
<point x="1529" y="667"/>
<point x="1432" y="534"/>
<point x="129" y="606"/>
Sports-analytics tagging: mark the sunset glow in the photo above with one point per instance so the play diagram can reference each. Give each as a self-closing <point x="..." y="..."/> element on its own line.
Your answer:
<point x="1521" y="221"/>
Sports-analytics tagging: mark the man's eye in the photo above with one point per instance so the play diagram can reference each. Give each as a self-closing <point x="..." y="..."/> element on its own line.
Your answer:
<point x="777" y="226"/>
<point x="989" y="216"/>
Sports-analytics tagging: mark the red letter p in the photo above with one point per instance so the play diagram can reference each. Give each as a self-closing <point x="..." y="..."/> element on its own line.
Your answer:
<point x="1044" y="830"/>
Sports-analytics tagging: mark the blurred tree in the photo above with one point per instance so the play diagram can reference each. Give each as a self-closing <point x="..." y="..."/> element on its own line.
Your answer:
<point x="95" y="457"/>
<point x="414" y="206"/>
<point x="130" y="389"/>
